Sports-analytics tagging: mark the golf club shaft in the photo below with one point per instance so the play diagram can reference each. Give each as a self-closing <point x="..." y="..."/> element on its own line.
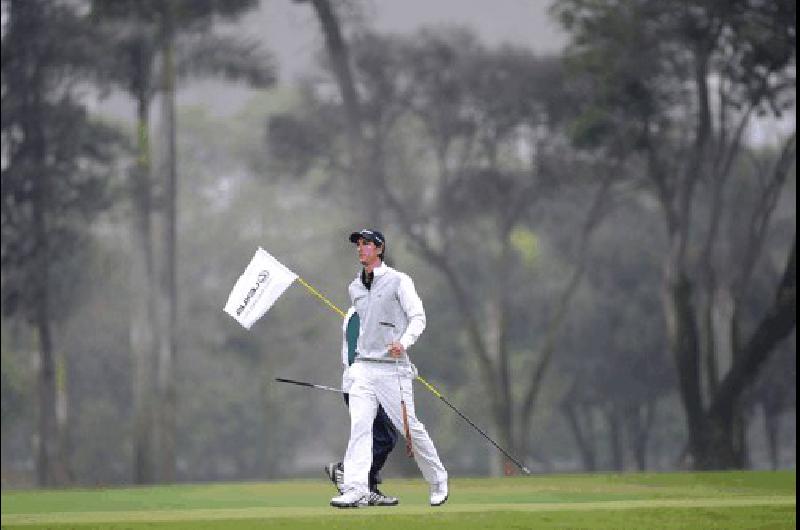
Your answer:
<point x="440" y="396"/>
<point x="310" y="385"/>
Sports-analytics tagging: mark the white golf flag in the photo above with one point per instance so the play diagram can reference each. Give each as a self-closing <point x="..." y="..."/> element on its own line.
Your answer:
<point x="263" y="282"/>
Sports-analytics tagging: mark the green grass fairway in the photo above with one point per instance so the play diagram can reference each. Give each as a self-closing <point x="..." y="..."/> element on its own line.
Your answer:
<point x="734" y="500"/>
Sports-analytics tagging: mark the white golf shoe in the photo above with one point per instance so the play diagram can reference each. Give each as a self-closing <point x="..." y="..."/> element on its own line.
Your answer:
<point x="351" y="498"/>
<point x="439" y="493"/>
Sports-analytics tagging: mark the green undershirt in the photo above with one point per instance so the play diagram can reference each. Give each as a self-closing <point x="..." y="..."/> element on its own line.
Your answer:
<point x="353" y="326"/>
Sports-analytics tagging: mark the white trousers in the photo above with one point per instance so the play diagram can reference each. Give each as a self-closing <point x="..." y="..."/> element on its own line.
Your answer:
<point x="371" y="384"/>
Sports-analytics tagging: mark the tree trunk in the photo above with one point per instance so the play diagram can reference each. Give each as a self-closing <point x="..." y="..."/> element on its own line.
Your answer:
<point x="639" y="423"/>
<point x="778" y="323"/>
<point x="717" y="437"/>
<point x="583" y="437"/>
<point x="339" y="55"/>
<point x="716" y="446"/>
<point x="615" y="439"/>
<point x="269" y="466"/>
<point x="167" y="410"/>
<point x="683" y="339"/>
<point x="720" y="438"/>
<point x="143" y="307"/>
<point x="772" y="425"/>
<point x="505" y="406"/>
<point x="51" y="466"/>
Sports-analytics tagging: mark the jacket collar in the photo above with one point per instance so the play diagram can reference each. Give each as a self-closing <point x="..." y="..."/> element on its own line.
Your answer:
<point x="380" y="270"/>
<point x="377" y="272"/>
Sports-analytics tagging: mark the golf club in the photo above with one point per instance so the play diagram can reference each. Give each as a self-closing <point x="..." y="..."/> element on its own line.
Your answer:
<point x="311" y="385"/>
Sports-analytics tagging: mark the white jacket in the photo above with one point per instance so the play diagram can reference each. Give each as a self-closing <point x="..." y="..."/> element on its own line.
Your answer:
<point x="390" y="311"/>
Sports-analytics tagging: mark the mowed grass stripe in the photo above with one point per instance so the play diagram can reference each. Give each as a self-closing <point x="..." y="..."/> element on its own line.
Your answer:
<point x="316" y="493"/>
<point x="291" y="512"/>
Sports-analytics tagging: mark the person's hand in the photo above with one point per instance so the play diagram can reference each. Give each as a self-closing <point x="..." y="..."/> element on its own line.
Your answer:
<point x="396" y="349"/>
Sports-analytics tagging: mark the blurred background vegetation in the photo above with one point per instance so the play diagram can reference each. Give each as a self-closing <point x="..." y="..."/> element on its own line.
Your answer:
<point x="603" y="233"/>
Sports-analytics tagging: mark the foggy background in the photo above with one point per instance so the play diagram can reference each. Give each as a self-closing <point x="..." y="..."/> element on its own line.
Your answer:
<point x="609" y="277"/>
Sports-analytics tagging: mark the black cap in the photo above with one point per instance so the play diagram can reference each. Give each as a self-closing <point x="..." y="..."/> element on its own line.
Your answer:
<point x="370" y="235"/>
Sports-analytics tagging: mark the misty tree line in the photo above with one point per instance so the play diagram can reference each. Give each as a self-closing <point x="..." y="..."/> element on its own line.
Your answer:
<point x="607" y="263"/>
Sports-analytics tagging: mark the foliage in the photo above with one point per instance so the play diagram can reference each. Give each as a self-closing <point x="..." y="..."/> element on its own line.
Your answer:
<point x="75" y="174"/>
<point x="57" y="167"/>
<point x="473" y="150"/>
<point x="680" y="111"/>
<point x="16" y="378"/>
<point x="747" y="44"/>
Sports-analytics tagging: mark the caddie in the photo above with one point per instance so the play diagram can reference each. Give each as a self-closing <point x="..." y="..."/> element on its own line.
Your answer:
<point x="384" y="435"/>
<point x="391" y="320"/>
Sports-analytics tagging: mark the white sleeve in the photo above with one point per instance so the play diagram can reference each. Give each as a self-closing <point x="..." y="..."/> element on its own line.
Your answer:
<point x="412" y="305"/>
<point x="344" y="334"/>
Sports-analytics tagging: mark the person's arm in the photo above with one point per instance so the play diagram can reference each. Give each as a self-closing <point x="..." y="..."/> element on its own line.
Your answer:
<point x="412" y="305"/>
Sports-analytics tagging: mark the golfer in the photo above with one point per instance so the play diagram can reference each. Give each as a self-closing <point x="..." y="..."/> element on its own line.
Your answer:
<point x="391" y="320"/>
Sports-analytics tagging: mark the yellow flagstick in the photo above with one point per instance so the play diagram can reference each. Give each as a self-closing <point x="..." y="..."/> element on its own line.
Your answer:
<point x="321" y="297"/>
<point x="429" y="387"/>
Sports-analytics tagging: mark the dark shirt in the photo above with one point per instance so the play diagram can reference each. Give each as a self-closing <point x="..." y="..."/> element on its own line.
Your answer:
<point x="366" y="278"/>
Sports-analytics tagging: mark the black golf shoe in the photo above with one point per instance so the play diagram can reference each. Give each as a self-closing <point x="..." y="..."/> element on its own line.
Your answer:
<point x="335" y="472"/>
<point x="377" y="498"/>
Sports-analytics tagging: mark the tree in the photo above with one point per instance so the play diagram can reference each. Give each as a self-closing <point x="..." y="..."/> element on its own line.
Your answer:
<point x="213" y="55"/>
<point x="775" y="394"/>
<point x="57" y="165"/>
<point x="360" y="175"/>
<point x="131" y="36"/>
<point x="613" y="345"/>
<point x="179" y="34"/>
<point x="458" y="136"/>
<point x="701" y="73"/>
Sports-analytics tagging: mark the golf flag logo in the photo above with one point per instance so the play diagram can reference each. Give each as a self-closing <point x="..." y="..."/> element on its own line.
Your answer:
<point x="262" y="283"/>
